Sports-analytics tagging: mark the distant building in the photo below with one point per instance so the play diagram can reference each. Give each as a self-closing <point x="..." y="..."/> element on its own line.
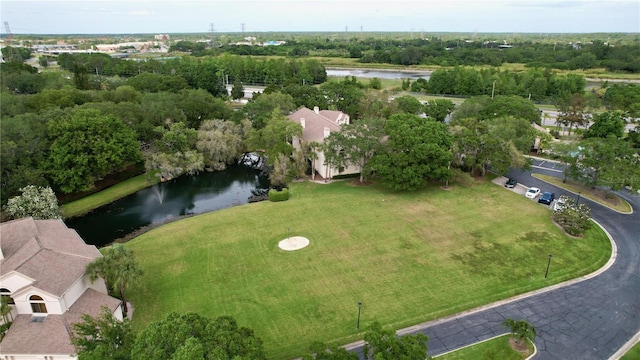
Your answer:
<point x="161" y="37"/>
<point x="273" y="43"/>
<point x="42" y="275"/>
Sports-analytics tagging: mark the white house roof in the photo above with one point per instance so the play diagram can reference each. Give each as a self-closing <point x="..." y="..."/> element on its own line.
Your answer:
<point x="45" y="250"/>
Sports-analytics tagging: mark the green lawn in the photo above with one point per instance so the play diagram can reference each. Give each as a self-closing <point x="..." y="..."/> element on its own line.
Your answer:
<point x="633" y="354"/>
<point x="409" y="257"/>
<point x="497" y="348"/>
<point x="107" y="196"/>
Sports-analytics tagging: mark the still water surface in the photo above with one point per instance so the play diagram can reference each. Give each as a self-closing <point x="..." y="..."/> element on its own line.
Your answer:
<point x="165" y="202"/>
<point x="365" y="73"/>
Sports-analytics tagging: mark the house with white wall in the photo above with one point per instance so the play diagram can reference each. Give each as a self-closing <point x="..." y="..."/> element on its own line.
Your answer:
<point x="42" y="275"/>
<point x="316" y="126"/>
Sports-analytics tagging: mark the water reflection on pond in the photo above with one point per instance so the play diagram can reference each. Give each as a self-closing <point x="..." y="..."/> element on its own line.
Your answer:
<point x="187" y="195"/>
<point x="389" y="74"/>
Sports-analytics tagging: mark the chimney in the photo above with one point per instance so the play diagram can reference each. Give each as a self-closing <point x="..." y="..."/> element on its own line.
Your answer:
<point x="302" y="122"/>
<point x="316" y="110"/>
<point x="326" y="132"/>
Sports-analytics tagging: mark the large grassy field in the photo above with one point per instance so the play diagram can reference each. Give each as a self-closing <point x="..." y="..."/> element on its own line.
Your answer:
<point x="409" y="257"/>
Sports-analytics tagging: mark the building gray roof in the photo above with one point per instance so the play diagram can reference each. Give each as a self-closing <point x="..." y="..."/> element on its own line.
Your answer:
<point x="46" y="251"/>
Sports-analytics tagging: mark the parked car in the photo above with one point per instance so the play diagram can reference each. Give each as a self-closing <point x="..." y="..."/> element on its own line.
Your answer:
<point x="511" y="183"/>
<point x="560" y="204"/>
<point x="532" y="193"/>
<point x="547" y="198"/>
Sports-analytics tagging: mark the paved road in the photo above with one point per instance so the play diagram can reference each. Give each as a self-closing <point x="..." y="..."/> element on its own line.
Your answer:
<point x="591" y="319"/>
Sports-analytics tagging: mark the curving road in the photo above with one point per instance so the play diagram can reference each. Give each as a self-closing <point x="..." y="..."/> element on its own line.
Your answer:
<point x="590" y="319"/>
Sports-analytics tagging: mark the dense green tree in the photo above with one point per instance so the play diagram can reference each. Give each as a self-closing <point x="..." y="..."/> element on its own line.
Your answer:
<point x="417" y="151"/>
<point x="188" y="336"/>
<point x="484" y="107"/>
<point x="520" y="329"/>
<point x="478" y="145"/>
<point x="280" y="172"/>
<point x="174" y="153"/>
<point x="22" y="82"/>
<point x="67" y="97"/>
<point x="624" y="97"/>
<point x="260" y="109"/>
<point x="572" y="111"/>
<point x="609" y="162"/>
<point x="610" y="123"/>
<point x="306" y="95"/>
<point x="355" y="145"/>
<point x="87" y="145"/>
<point x="150" y="82"/>
<point x="375" y="83"/>
<point x="103" y="337"/>
<point x="36" y="201"/>
<point x="275" y="137"/>
<point x="221" y="142"/>
<point x="409" y="104"/>
<point x="584" y="61"/>
<point x="344" y="96"/>
<point x="80" y="77"/>
<point x="24" y="148"/>
<point x="199" y="105"/>
<point x="16" y="54"/>
<point x="438" y="109"/>
<point x="119" y="269"/>
<point x="386" y="345"/>
<point x="237" y="91"/>
<point x="376" y="104"/>
<point x="203" y="75"/>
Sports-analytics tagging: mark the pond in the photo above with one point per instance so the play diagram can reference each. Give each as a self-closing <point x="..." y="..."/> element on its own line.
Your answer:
<point x="169" y="201"/>
<point x="381" y="74"/>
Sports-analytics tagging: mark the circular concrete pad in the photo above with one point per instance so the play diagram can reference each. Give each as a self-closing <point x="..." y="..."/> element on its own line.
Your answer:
<point x="293" y="243"/>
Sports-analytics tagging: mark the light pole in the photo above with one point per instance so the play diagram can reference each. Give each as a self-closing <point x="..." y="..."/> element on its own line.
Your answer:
<point x="493" y="89"/>
<point x="359" y="307"/>
<point x="548" y="264"/>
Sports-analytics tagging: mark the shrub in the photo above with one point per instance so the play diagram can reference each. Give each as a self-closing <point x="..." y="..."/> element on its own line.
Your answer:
<point x="275" y="195"/>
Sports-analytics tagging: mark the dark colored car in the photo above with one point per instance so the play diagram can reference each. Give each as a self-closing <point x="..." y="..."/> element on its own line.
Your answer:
<point x="547" y="198"/>
<point x="511" y="183"/>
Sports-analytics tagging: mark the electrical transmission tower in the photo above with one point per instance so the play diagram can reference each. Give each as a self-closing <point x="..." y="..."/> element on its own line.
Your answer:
<point x="9" y="34"/>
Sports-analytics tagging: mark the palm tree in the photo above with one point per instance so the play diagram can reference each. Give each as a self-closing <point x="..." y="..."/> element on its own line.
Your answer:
<point x="520" y="330"/>
<point x="118" y="268"/>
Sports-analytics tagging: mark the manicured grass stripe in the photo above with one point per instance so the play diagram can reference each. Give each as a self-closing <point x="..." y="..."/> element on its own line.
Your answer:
<point x="409" y="257"/>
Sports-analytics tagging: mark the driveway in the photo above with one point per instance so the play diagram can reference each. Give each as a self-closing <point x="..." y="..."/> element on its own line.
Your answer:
<point x="590" y="319"/>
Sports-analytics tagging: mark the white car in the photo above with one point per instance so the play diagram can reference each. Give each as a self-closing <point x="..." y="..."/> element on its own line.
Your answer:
<point x="532" y="192"/>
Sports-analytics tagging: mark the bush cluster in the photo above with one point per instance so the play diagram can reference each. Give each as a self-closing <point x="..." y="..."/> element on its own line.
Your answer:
<point x="282" y="195"/>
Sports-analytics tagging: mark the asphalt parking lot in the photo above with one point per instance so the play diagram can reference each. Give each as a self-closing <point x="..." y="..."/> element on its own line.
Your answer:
<point x="518" y="189"/>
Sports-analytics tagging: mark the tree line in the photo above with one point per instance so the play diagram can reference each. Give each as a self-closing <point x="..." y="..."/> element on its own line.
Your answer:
<point x="71" y="139"/>
<point x="562" y="55"/>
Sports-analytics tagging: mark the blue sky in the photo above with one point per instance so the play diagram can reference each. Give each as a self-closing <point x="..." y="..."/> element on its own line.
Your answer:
<point x="150" y="16"/>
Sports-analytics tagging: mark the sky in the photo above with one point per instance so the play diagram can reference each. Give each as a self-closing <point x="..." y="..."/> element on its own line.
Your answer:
<point x="200" y="16"/>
